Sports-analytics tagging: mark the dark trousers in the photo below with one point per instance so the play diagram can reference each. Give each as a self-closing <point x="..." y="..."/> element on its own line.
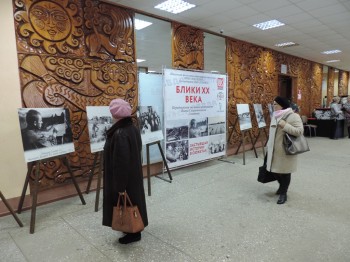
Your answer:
<point x="284" y="181"/>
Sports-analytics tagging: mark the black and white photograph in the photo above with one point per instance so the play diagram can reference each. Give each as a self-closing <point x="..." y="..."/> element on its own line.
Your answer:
<point x="270" y="107"/>
<point x="150" y="124"/>
<point x="198" y="127"/>
<point x="176" y="151"/>
<point x="259" y="114"/>
<point x="217" y="125"/>
<point x="217" y="144"/>
<point x="99" y="121"/>
<point x="177" y="130"/>
<point x="245" y="121"/>
<point x="46" y="132"/>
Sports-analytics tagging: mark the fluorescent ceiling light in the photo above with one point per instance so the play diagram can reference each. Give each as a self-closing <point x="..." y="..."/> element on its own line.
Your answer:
<point x="331" y="52"/>
<point x="332" y="61"/>
<point x="269" y="24"/>
<point x="174" y="6"/>
<point x="140" y="60"/>
<point x="140" y="24"/>
<point x="286" y="44"/>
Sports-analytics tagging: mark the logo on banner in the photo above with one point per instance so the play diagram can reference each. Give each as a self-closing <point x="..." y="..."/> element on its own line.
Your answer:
<point x="220" y="96"/>
<point x="220" y="83"/>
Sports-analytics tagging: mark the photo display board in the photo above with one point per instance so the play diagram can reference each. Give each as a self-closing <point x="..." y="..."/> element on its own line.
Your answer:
<point x="151" y="94"/>
<point x="259" y="114"/>
<point x="245" y="121"/>
<point x="99" y="121"/>
<point x="46" y="132"/>
<point x="195" y="116"/>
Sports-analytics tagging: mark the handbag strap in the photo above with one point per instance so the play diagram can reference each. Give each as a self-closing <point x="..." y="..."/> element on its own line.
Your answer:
<point x="126" y="199"/>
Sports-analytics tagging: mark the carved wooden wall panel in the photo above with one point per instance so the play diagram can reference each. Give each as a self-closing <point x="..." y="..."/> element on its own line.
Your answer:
<point x="187" y="47"/>
<point x="253" y="78"/>
<point x="316" y="86"/>
<point x="74" y="54"/>
<point x="330" y="84"/>
<point x="343" y="82"/>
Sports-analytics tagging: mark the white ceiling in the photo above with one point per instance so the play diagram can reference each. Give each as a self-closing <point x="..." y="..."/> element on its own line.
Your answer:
<point x="316" y="25"/>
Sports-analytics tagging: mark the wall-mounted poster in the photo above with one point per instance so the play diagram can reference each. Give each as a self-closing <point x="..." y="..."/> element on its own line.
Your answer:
<point x="150" y="124"/>
<point x="46" y="132"/>
<point x="259" y="115"/>
<point x="270" y="107"/>
<point x="194" y="116"/>
<point x="99" y="121"/>
<point x="245" y="121"/>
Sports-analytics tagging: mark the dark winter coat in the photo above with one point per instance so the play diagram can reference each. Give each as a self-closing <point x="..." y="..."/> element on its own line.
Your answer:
<point x="123" y="169"/>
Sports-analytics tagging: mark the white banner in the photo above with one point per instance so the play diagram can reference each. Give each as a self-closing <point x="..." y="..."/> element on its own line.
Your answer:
<point x="195" y="116"/>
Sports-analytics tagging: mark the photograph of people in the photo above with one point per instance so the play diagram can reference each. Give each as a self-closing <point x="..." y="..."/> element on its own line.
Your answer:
<point x="177" y="130"/>
<point x="259" y="115"/>
<point x="217" y="125"/>
<point x="217" y="144"/>
<point x="176" y="151"/>
<point x="284" y="120"/>
<point x="149" y="119"/>
<point x="244" y="116"/>
<point x="198" y="127"/>
<point x="43" y="127"/>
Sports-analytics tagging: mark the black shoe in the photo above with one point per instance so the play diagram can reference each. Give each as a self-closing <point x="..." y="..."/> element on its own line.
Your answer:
<point x="282" y="199"/>
<point x="130" y="237"/>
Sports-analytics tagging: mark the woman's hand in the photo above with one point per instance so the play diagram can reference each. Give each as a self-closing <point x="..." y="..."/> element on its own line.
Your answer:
<point x="282" y="123"/>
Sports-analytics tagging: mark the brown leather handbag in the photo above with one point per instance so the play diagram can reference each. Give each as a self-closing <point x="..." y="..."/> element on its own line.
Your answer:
<point x="126" y="216"/>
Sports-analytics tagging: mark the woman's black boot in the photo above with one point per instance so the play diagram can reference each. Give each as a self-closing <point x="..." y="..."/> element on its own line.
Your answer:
<point x="282" y="199"/>
<point x="130" y="237"/>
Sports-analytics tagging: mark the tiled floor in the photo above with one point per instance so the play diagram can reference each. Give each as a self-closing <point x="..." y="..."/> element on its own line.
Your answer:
<point x="214" y="211"/>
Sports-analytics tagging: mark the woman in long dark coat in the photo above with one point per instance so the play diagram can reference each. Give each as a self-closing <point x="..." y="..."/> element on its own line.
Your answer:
<point x="122" y="166"/>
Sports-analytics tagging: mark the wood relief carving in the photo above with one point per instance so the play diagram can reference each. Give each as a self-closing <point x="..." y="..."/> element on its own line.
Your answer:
<point x="316" y="86"/>
<point x="330" y="85"/>
<point x="110" y="31"/>
<point x="188" y="47"/>
<point x="54" y="70"/>
<point x="52" y="26"/>
<point x="343" y="81"/>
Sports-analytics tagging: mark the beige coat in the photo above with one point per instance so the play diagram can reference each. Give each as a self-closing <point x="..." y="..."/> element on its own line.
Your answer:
<point x="277" y="160"/>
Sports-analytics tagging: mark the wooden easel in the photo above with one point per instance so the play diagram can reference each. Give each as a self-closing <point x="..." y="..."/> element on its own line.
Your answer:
<point x="261" y="140"/>
<point x="148" y="166"/>
<point x="10" y="209"/>
<point x="35" y="188"/>
<point x="243" y="132"/>
<point x="99" y="177"/>
<point x="223" y="159"/>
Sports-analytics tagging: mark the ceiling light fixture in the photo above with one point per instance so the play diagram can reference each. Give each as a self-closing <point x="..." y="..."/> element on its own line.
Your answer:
<point x="286" y="44"/>
<point x="141" y="24"/>
<point x="269" y="24"/>
<point x="332" y="61"/>
<point x="331" y="52"/>
<point x="140" y="60"/>
<point x="174" y="6"/>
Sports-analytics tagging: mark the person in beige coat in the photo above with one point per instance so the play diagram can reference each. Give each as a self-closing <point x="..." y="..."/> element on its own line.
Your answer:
<point x="282" y="165"/>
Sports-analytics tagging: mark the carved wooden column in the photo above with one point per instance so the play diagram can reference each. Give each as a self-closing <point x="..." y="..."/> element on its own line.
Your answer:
<point x="187" y="47"/>
<point x="330" y="85"/>
<point x="343" y="82"/>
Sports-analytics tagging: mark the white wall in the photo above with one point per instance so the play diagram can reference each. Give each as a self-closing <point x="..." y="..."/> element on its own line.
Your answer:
<point x="12" y="165"/>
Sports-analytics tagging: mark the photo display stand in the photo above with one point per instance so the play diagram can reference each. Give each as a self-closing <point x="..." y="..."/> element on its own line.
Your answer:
<point x="149" y="167"/>
<point x="98" y="155"/>
<point x="261" y="139"/>
<point x="245" y="126"/>
<point x="10" y="209"/>
<point x="34" y="192"/>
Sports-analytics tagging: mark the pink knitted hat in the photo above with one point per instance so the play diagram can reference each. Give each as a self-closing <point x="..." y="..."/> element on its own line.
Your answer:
<point x="119" y="108"/>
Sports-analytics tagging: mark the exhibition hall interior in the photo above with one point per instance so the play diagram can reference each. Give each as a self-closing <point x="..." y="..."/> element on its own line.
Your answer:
<point x="206" y="82"/>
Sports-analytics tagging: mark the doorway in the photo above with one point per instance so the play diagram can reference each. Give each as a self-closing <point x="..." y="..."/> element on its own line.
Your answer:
<point x="285" y="86"/>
